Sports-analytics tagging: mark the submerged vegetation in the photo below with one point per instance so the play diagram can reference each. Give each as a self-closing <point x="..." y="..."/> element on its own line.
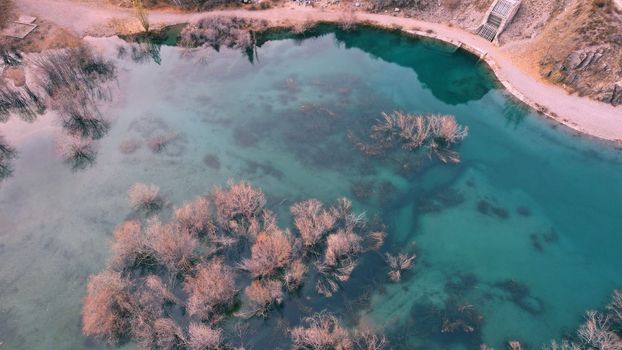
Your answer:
<point x="173" y="284"/>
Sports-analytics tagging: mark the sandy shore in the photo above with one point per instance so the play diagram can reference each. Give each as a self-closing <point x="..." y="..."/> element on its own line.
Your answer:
<point x="581" y="114"/>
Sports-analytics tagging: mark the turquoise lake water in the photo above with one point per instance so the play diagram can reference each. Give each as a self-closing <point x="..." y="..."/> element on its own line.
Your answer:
<point x="527" y="229"/>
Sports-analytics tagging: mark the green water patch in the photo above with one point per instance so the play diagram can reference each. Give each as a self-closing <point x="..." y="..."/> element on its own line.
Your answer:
<point x="514" y="242"/>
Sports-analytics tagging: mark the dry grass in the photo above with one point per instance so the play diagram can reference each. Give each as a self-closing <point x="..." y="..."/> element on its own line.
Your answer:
<point x="586" y="26"/>
<point x="6" y="11"/>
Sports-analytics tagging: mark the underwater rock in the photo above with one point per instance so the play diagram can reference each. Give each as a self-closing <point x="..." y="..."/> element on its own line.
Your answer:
<point x="212" y="161"/>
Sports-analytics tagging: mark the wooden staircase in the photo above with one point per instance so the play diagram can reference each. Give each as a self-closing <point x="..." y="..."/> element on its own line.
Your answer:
<point x="497" y="18"/>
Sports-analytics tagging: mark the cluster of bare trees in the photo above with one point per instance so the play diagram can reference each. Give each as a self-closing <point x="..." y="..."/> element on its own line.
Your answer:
<point x="434" y="133"/>
<point x="171" y="284"/>
<point x="221" y="32"/>
<point x="323" y="331"/>
<point x="334" y="238"/>
<point x="600" y="331"/>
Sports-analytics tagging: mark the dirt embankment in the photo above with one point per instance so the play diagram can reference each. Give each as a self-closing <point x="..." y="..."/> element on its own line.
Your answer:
<point x="576" y="44"/>
<point x="581" y="49"/>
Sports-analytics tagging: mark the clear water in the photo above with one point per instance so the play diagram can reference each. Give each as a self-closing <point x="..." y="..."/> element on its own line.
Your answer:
<point x="55" y="223"/>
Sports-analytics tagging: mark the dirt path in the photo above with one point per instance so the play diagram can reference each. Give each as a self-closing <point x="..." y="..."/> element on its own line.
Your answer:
<point x="584" y="115"/>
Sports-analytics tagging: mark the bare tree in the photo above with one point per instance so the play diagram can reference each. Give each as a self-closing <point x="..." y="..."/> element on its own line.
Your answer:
<point x="398" y="264"/>
<point x="145" y="197"/>
<point x="107" y="306"/>
<point x="211" y="288"/>
<point x="141" y="14"/>
<point x="321" y="331"/>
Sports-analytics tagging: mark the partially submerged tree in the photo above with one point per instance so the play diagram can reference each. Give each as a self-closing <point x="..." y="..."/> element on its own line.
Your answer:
<point x="321" y="331"/>
<point x="172" y="247"/>
<point x="263" y="294"/>
<point x="312" y="221"/>
<point x="196" y="217"/>
<point x="211" y="289"/>
<point x="145" y="197"/>
<point x="170" y="284"/>
<point x="271" y="253"/>
<point x="202" y="337"/>
<point x="434" y="133"/>
<point x="239" y="207"/>
<point x="398" y="264"/>
<point x="107" y="306"/>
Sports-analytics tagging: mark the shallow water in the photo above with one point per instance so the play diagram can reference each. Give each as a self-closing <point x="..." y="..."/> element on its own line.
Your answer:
<point x="526" y="228"/>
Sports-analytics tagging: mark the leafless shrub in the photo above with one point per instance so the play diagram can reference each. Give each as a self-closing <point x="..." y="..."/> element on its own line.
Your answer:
<point x="195" y="217"/>
<point x="515" y="345"/>
<point x="347" y="20"/>
<point x="172" y="246"/>
<point x="129" y="146"/>
<point x="596" y="333"/>
<point x="368" y="340"/>
<point x="615" y="308"/>
<point x="159" y="291"/>
<point x="271" y="252"/>
<point x="168" y="334"/>
<point x="341" y="246"/>
<point x="141" y="14"/>
<point x="211" y="288"/>
<point x="563" y="345"/>
<point x="220" y="31"/>
<point x="321" y="331"/>
<point x="145" y="197"/>
<point x="238" y="206"/>
<point x="398" y="264"/>
<point x="129" y="246"/>
<point x="107" y="307"/>
<point x="263" y="294"/>
<point x="202" y="337"/>
<point x="300" y="27"/>
<point x="312" y="222"/>
<point x="157" y="143"/>
<point x="373" y="240"/>
<point x="346" y="217"/>
<point x="435" y="133"/>
<point x="294" y="275"/>
<point x="78" y="152"/>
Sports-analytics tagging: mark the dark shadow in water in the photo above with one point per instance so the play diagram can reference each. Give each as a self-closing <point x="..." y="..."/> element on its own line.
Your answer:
<point x="514" y="113"/>
<point x="7" y="154"/>
<point x="453" y="76"/>
<point x="519" y="293"/>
